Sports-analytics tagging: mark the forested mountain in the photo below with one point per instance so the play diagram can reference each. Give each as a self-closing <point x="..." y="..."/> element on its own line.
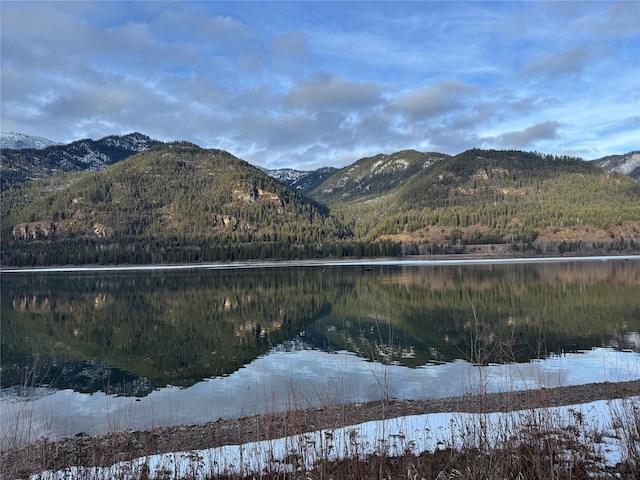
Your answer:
<point x="373" y="176"/>
<point x="180" y="203"/>
<point x="629" y="164"/>
<point x="20" y="165"/>
<point x="175" y="202"/>
<point x="526" y="200"/>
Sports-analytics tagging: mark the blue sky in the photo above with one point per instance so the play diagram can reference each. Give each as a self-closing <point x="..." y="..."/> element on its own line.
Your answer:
<point x="306" y="84"/>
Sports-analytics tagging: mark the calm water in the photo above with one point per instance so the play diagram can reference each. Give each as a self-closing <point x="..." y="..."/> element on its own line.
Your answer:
<point x="109" y="350"/>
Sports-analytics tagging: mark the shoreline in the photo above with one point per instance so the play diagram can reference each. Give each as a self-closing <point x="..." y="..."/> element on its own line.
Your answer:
<point x="461" y="259"/>
<point x="104" y="450"/>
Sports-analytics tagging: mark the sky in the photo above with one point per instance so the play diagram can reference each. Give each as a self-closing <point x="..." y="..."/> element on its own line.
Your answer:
<point x="305" y="84"/>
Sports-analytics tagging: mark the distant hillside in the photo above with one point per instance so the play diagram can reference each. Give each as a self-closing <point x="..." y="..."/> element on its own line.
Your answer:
<point x="373" y="176"/>
<point x="175" y="202"/>
<point x="300" y="180"/>
<point x="513" y="197"/>
<point x="476" y="174"/>
<point x="18" y="141"/>
<point x="17" y="166"/>
<point x="629" y="164"/>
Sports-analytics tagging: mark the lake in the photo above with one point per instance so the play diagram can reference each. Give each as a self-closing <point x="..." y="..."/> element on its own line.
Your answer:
<point x="104" y="350"/>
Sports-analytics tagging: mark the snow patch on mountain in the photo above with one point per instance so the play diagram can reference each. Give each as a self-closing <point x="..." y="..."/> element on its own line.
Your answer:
<point x="20" y="141"/>
<point x="628" y="164"/>
<point x="300" y="180"/>
<point x="285" y="175"/>
<point x="393" y="164"/>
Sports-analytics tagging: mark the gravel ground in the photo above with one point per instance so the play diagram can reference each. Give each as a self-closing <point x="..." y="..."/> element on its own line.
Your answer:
<point x="114" y="447"/>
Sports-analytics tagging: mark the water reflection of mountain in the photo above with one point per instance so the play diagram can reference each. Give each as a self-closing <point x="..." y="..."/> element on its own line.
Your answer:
<point x="174" y="328"/>
<point x="494" y="313"/>
<point x="81" y="376"/>
<point x="138" y="331"/>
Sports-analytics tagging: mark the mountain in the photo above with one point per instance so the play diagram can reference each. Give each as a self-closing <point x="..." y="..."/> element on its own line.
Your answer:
<point x="18" y="141"/>
<point x="509" y="197"/>
<point x="438" y="203"/>
<point x="301" y="180"/>
<point x="476" y="173"/>
<point x="180" y="203"/>
<point x="373" y="176"/>
<point x="174" y="202"/>
<point x="629" y="164"/>
<point x="18" y="166"/>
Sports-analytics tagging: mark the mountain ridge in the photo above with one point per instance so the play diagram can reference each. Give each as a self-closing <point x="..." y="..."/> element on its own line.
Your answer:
<point x="373" y="176"/>
<point x="178" y="202"/>
<point x="27" y="164"/>
<point x="24" y="164"/>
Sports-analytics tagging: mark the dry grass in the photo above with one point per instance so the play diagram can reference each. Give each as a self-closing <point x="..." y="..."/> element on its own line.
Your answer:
<point x="527" y="444"/>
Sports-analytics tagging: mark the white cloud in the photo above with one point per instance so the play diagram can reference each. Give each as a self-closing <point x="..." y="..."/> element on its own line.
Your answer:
<point x="292" y="45"/>
<point x="326" y="92"/>
<point x="617" y="19"/>
<point x="441" y="98"/>
<point x="566" y="63"/>
<point x="528" y="137"/>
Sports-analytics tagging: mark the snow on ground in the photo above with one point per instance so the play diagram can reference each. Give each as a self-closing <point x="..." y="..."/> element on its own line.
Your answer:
<point x="393" y="437"/>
